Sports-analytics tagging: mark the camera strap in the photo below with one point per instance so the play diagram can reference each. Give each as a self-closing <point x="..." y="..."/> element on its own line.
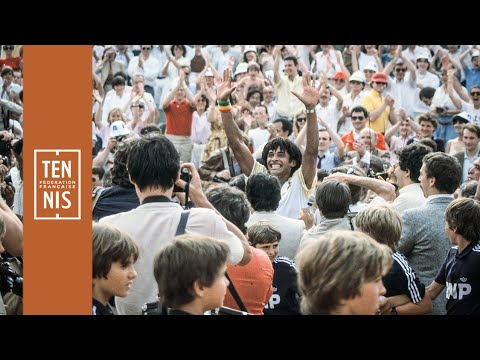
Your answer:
<point x="234" y="293"/>
<point x="183" y="222"/>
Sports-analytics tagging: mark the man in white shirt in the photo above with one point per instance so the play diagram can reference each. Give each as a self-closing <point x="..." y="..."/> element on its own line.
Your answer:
<point x="147" y="65"/>
<point x="154" y="167"/>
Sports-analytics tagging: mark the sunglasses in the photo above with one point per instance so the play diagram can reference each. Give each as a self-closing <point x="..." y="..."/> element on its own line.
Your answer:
<point x="339" y="80"/>
<point x="400" y="70"/>
<point x="146" y="48"/>
<point x="368" y="71"/>
<point x="8" y="47"/>
<point x="359" y="118"/>
<point x="301" y="119"/>
<point x="380" y="83"/>
<point x="355" y="82"/>
<point x="422" y="61"/>
<point x="475" y="93"/>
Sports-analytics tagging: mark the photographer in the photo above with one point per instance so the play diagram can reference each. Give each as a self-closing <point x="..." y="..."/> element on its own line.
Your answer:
<point x="118" y="132"/>
<point x="11" y="283"/>
<point x="16" y="176"/>
<point x="154" y="168"/>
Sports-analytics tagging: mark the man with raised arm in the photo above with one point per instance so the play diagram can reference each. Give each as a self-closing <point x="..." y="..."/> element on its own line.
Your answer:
<point x="282" y="158"/>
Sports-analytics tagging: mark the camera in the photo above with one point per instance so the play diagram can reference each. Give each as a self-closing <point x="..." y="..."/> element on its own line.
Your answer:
<point x="120" y="137"/>
<point x="10" y="281"/>
<point x="185" y="176"/>
<point x="5" y="160"/>
<point x="383" y="174"/>
<point x="8" y="180"/>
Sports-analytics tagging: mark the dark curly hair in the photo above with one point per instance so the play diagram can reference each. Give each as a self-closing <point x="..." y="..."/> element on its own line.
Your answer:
<point x="119" y="173"/>
<point x="263" y="192"/>
<point x="410" y="157"/>
<point x="287" y="146"/>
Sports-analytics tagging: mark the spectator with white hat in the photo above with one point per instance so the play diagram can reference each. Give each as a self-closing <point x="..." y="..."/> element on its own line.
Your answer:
<point x="456" y="145"/>
<point x="240" y="72"/>
<point x="352" y="99"/>
<point x="118" y="132"/>
<point x="368" y="71"/>
<point x="250" y="54"/>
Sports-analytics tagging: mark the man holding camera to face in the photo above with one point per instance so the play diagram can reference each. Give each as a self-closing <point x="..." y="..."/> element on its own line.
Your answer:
<point x="154" y="168"/>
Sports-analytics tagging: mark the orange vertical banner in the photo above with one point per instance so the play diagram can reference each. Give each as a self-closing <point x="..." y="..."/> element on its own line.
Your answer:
<point x="57" y="179"/>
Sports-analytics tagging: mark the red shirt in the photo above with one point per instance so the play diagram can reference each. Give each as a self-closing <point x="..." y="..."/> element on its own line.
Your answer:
<point x="13" y="62"/>
<point x="179" y="118"/>
<point x="348" y="138"/>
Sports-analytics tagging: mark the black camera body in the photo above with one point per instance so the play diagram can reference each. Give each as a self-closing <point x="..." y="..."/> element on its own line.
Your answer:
<point x="186" y="176"/>
<point x="10" y="281"/>
<point x="120" y="137"/>
<point x="5" y="160"/>
<point x="383" y="174"/>
<point x="8" y="179"/>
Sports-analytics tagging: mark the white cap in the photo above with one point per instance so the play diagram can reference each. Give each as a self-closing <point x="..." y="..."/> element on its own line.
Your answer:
<point x="424" y="55"/>
<point x="241" y="68"/>
<point x="209" y="72"/>
<point x="464" y="116"/>
<point x="475" y="52"/>
<point x="358" y="76"/>
<point x="118" y="128"/>
<point x="249" y="48"/>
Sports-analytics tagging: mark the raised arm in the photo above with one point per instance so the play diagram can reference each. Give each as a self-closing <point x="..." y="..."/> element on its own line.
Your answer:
<point x="276" y="64"/>
<point x="464" y="54"/>
<point x="382" y="188"/>
<point x="171" y="95"/>
<point x="309" y="98"/>
<point x="339" y="97"/>
<point x="450" y="80"/>
<point x="335" y="138"/>
<point x="390" y="132"/>
<point x="354" y="52"/>
<point x="201" y="201"/>
<point x="240" y="150"/>
<point x="294" y="51"/>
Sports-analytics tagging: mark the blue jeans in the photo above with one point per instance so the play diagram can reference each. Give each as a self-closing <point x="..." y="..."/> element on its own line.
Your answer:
<point x="445" y="132"/>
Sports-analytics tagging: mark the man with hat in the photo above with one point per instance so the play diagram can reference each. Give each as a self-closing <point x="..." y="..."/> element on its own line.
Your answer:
<point x="380" y="108"/>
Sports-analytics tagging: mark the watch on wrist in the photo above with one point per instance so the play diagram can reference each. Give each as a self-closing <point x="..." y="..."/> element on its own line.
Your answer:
<point x="310" y="111"/>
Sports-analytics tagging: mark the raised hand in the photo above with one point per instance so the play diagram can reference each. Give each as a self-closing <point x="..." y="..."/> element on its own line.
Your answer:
<point x="311" y="94"/>
<point x="224" y="86"/>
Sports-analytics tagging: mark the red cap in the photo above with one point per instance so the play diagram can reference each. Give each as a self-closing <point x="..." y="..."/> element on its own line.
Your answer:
<point x="379" y="77"/>
<point x="339" y="75"/>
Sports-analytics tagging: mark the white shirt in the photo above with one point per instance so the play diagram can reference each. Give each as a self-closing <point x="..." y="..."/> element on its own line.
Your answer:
<point x="150" y="71"/>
